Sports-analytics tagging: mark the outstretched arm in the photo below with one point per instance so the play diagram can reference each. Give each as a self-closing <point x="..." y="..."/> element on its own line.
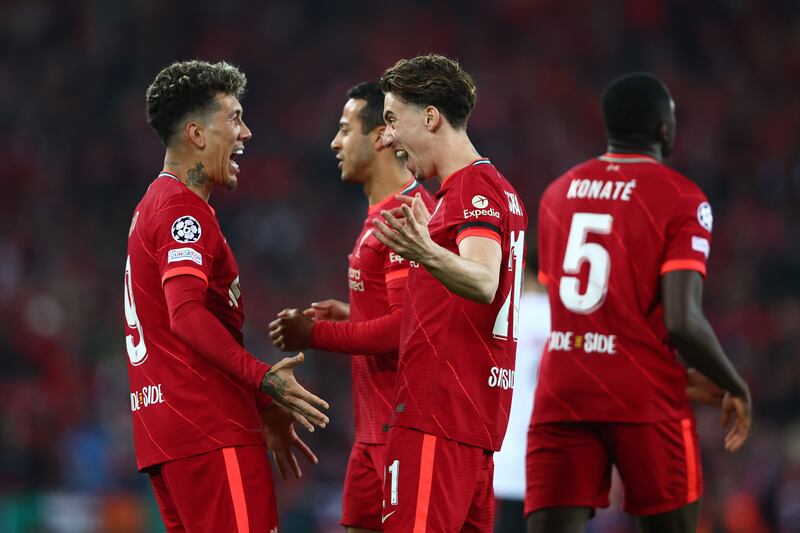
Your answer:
<point x="295" y="330"/>
<point x="692" y="335"/>
<point x="195" y="325"/>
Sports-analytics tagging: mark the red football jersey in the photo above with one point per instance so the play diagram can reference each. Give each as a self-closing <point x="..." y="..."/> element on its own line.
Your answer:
<point x="372" y="267"/>
<point x="456" y="367"/>
<point x="182" y="403"/>
<point x="608" y="230"/>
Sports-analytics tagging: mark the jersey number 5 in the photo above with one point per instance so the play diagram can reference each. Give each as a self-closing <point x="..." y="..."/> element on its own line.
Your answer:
<point x="137" y="353"/>
<point x="578" y="251"/>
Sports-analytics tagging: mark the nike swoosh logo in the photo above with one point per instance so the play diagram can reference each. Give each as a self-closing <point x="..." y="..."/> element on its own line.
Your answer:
<point x="383" y="518"/>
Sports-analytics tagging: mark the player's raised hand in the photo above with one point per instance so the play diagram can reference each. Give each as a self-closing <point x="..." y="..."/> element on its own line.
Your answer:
<point x="329" y="309"/>
<point x="409" y="201"/>
<point x="701" y="389"/>
<point x="281" y="384"/>
<point x="739" y="409"/>
<point x="408" y="236"/>
<point x="277" y="427"/>
<point x="291" y="330"/>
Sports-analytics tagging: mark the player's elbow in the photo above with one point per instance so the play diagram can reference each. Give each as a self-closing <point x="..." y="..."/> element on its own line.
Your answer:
<point x="682" y="327"/>
<point x="486" y="292"/>
<point x="179" y="319"/>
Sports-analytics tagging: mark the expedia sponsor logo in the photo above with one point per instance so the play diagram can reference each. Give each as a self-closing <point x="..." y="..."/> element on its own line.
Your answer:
<point x="491" y="212"/>
<point x="480" y="201"/>
<point x="502" y="378"/>
<point x="149" y="395"/>
<point x="395" y="258"/>
<point x="356" y="283"/>
<point x="567" y="341"/>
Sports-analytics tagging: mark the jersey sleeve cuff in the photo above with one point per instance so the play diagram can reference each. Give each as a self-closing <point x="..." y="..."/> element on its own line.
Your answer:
<point x="479" y="231"/>
<point x="184" y="271"/>
<point x="683" y="264"/>
<point x="394" y="275"/>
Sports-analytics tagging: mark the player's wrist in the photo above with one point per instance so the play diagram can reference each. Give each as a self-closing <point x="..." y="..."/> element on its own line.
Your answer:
<point x="433" y="257"/>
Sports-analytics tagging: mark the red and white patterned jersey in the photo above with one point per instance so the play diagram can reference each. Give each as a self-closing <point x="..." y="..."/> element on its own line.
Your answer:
<point x="608" y="230"/>
<point x="372" y="266"/>
<point x="456" y="368"/>
<point x="181" y="403"/>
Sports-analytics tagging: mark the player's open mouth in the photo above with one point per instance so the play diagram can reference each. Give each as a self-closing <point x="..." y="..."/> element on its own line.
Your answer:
<point x="400" y="153"/>
<point x="233" y="164"/>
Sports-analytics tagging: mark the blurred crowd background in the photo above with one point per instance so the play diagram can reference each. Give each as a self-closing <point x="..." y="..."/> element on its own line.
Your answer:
<point x="76" y="155"/>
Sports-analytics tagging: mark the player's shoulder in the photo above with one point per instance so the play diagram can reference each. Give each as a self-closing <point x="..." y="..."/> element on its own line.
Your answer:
<point x="166" y="192"/>
<point x="482" y="175"/>
<point x="412" y="188"/>
<point x="684" y="185"/>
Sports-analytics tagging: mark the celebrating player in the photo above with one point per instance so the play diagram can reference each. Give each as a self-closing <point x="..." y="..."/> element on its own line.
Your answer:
<point x="194" y="388"/>
<point x="458" y="334"/>
<point x="369" y="326"/>
<point x="623" y="244"/>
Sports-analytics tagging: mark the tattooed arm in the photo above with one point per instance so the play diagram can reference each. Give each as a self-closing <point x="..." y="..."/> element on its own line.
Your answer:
<point x="282" y="386"/>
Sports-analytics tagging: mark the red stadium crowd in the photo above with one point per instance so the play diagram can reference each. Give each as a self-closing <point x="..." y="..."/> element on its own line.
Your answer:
<point x="77" y="152"/>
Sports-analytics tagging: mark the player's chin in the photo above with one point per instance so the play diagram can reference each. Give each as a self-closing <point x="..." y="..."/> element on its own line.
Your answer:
<point x="231" y="183"/>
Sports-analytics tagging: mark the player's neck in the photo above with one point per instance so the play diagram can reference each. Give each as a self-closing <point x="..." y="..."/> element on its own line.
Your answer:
<point x="454" y="152"/>
<point x="618" y="146"/>
<point x="190" y="173"/>
<point x="387" y="180"/>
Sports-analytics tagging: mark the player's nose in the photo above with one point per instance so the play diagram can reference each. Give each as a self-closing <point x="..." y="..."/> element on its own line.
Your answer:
<point x="245" y="134"/>
<point x="336" y="144"/>
<point x="387" y="138"/>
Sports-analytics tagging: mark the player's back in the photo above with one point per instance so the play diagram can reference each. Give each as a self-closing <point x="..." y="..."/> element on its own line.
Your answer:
<point x="608" y="229"/>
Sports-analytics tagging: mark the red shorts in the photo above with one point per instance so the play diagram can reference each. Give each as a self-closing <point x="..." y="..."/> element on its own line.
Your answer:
<point x="363" y="487"/>
<point x="229" y="489"/>
<point x="436" y="484"/>
<point x="569" y="465"/>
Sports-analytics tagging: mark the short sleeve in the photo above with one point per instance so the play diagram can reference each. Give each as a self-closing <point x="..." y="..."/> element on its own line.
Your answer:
<point x="394" y="267"/>
<point x="688" y="239"/>
<point x="477" y="209"/>
<point x="186" y="237"/>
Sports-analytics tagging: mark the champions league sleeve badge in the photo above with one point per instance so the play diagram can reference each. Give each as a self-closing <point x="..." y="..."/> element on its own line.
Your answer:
<point x="186" y="229"/>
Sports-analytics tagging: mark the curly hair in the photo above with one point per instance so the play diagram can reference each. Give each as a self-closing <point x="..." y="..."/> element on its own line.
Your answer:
<point x="434" y="80"/>
<point x="186" y="88"/>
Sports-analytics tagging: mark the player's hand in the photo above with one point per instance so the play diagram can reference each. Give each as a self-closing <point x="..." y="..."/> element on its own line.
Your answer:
<point x="701" y="389"/>
<point x="409" y="201"/>
<point x="407" y="236"/>
<point x="291" y="330"/>
<point x="281" y="384"/>
<point x="333" y="310"/>
<point x="739" y="409"/>
<point x="277" y="426"/>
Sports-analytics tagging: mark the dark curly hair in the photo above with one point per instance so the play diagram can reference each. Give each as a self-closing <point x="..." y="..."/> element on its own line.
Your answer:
<point x="433" y="80"/>
<point x="186" y="88"/>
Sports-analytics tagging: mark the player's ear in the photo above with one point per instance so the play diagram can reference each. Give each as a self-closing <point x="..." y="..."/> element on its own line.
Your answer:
<point x="433" y="118"/>
<point x="196" y="134"/>
<point x="377" y="137"/>
<point x="662" y="133"/>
